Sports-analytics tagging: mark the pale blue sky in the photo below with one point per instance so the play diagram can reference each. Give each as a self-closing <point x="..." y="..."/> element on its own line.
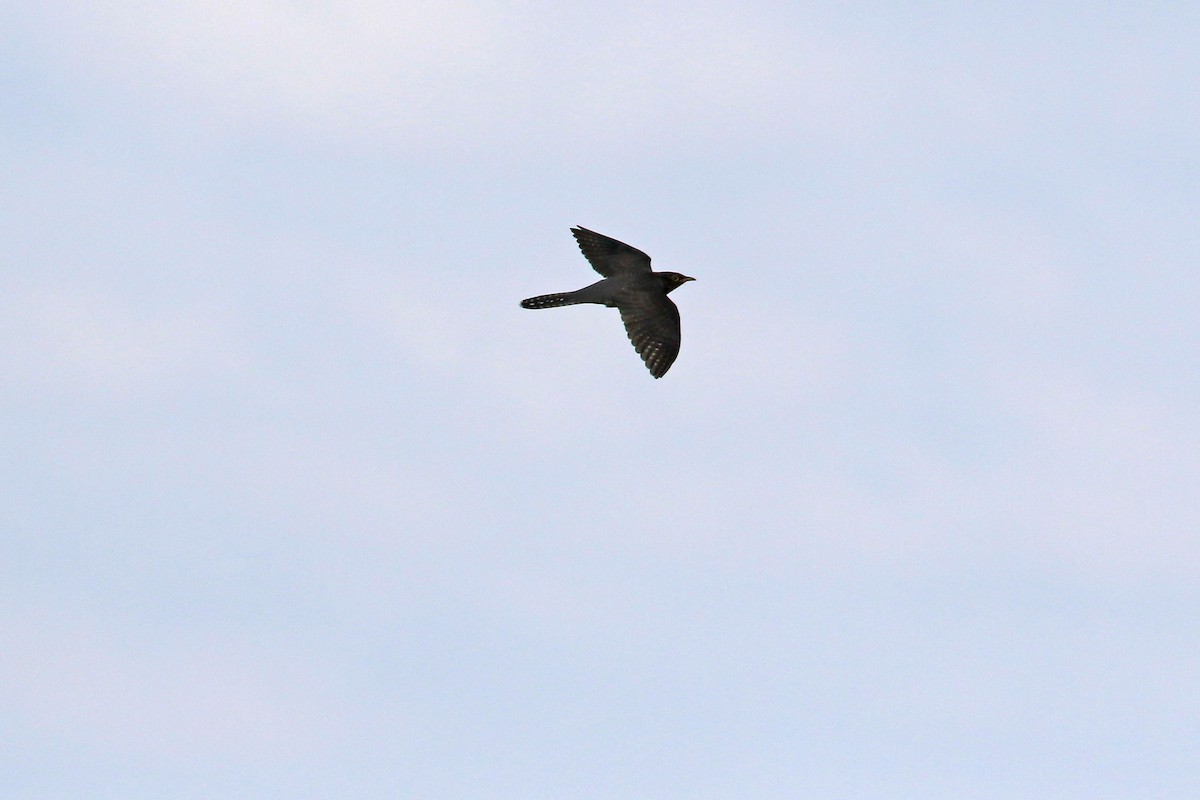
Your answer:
<point x="300" y="503"/>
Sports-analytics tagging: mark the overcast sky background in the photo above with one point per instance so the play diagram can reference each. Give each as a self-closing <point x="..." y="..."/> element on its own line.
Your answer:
<point x="298" y="502"/>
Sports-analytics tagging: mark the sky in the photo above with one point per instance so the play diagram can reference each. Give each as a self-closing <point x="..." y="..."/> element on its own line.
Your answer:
<point x="299" y="503"/>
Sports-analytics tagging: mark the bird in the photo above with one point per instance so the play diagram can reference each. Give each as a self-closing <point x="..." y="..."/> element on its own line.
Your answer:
<point x="630" y="286"/>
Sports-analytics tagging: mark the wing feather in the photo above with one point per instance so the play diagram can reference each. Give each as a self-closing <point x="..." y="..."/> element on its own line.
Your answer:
<point x="652" y="322"/>
<point x="608" y="256"/>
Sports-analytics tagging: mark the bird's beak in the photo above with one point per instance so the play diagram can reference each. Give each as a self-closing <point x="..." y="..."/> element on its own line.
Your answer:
<point x="686" y="279"/>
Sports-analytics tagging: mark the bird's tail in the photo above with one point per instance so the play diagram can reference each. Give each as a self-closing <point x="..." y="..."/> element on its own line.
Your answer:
<point x="551" y="300"/>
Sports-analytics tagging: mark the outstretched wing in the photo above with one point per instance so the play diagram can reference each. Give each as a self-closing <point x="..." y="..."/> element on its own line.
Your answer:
<point x="652" y="322"/>
<point x="608" y="256"/>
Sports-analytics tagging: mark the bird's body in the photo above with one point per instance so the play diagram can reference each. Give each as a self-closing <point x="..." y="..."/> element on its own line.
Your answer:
<point x="630" y="286"/>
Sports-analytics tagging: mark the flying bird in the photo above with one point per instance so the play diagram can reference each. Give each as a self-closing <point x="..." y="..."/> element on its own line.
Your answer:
<point x="629" y="285"/>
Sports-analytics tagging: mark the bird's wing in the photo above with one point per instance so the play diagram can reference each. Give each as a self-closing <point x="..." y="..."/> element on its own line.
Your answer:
<point x="608" y="256"/>
<point x="652" y="322"/>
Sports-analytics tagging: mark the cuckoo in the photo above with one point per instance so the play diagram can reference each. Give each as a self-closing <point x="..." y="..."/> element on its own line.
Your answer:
<point x="630" y="286"/>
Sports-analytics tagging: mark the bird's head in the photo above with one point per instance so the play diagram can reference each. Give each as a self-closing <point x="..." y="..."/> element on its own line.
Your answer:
<point x="673" y="280"/>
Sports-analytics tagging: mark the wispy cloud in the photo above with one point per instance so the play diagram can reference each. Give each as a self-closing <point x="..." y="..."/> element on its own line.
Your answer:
<point x="90" y="686"/>
<point x="517" y="76"/>
<point x="102" y="344"/>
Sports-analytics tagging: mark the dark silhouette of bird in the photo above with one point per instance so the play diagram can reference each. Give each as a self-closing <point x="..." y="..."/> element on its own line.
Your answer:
<point x="629" y="285"/>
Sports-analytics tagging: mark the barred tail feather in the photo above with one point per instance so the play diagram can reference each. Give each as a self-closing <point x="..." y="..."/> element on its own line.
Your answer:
<point x="550" y="300"/>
